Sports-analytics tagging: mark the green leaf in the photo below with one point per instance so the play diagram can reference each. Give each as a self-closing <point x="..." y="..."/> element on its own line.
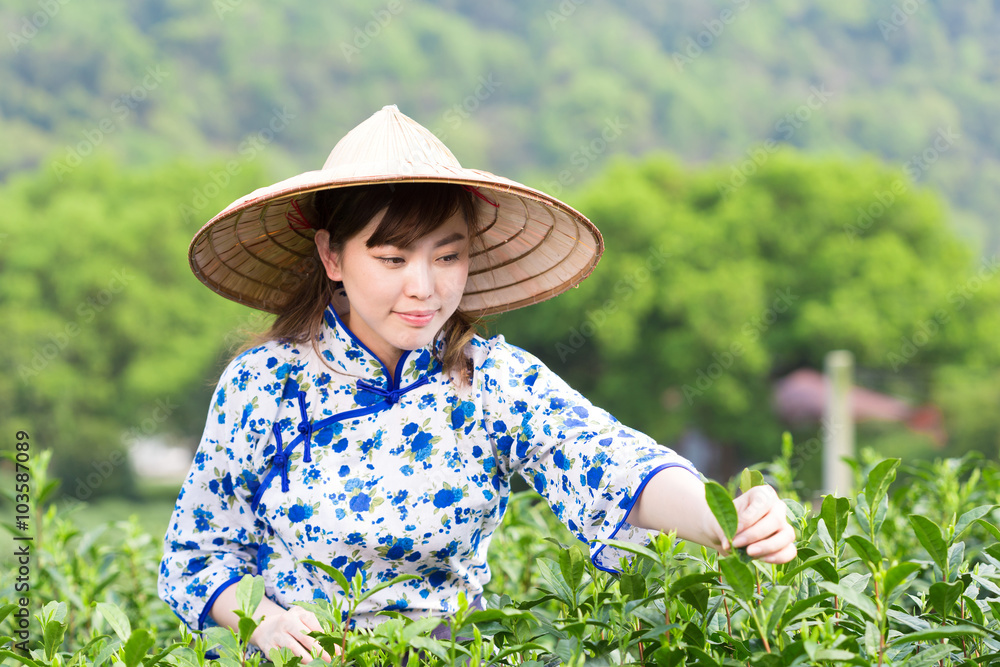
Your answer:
<point x="970" y="517"/>
<point x="386" y="584"/>
<point x="834" y="514"/>
<point x="136" y="647"/>
<point x="246" y="625"/>
<point x="879" y="480"/>
<point x="869" y="554"/>
<point x="749" y="479"/>
<point x="18" y="658"/>
<point x="689" y="580"/>
<point x="896" y="575"/>
<point x="116" y="618"/>
<point x="571" y="564"/>
<point x="53" y="636"/>
<point x="738" y="576"/>
<point x="990" y="528"/>
<point x="774" y="606"/>
<point x="949" y="632"/>
<point x="810" y="563"/>
<point x="943" y="595"/>
<point x="722" y="508"/>
<point x="930" y="537"/>
<point x="334" y="574"/>
<point x="852" y="597"/>
<point x="249" y="593"/>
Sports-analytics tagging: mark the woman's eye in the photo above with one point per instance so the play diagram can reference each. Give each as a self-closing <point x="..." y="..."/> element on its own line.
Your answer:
<point x="451" y="258"/>
<point x="394" y="261"/>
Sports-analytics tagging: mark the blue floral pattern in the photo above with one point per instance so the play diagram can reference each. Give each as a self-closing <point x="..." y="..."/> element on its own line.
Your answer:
<point x="333" y="460"/>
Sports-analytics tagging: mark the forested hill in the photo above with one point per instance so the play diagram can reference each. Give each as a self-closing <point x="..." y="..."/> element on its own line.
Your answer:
<point x="536" y="90"/>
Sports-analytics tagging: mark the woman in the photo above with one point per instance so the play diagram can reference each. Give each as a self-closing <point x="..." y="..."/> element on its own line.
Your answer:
<point x="371" y="429"/>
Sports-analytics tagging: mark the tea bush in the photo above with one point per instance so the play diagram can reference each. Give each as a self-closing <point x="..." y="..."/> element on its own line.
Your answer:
<point x="899" y="574"/>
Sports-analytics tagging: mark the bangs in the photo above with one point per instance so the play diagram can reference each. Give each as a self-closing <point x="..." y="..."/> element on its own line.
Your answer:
<point x="417" y="209"/>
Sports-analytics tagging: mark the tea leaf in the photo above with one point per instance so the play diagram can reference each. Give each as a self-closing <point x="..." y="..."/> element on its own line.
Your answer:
<point x="137" y="646"/>
<point x="386" y="584"/>
<point x="938" y="633"/>
<point x="116" y="618"/>
<point x="990" y="528"/>
<point x="572" y="564"/>
<point x="834" y="514"/>
<point x="897" y="574"/>
<point x="879" y="480"/>
<point x="688" y="581"/>
<point x="53" y="633"/>
<point x="943" y="596"/>
<point x="722" y="508"/>
<point x="930" y="537"/>
<point x="749" y="479"/>
<point x="774" y="606"/>
<point x="971" y="517"/>
<point x="869" y="554"/>
<point x="249" y="593"/>
<point x="853" y="597"/>
<point x="739" y="577"/>
<point x="334" y="574"/>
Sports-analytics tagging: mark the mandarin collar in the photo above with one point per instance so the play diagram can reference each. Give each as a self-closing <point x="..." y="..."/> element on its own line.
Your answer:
<point x="345" y="352"/>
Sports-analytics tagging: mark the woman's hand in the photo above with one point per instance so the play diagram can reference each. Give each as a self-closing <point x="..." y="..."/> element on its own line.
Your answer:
<point x="289" y="629"/>
<point x="763" y="526"/>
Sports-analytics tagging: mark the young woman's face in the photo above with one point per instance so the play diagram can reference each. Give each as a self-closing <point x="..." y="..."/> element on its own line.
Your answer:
<point x="400" y="297"/>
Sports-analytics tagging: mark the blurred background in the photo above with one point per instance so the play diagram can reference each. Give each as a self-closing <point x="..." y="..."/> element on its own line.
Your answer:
<point x="774" y="181"/>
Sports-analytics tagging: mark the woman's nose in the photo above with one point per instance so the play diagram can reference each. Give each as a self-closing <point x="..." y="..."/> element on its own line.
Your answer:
<point x="420" y="281"/>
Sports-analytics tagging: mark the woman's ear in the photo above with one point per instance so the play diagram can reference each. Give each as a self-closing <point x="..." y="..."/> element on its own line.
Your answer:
<point x="329" y="256"/>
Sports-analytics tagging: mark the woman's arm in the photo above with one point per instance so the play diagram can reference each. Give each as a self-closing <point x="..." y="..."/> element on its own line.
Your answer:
<point x="278" y="626"/>
<point x="674" y="499"/>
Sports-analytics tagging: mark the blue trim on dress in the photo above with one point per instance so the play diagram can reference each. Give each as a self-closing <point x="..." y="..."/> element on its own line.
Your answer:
<point x="211" y="601"/>
<point x="635" y="499"/>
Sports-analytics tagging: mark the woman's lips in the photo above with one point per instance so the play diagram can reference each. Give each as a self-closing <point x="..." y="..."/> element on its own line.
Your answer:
<point x="418" y="318"/>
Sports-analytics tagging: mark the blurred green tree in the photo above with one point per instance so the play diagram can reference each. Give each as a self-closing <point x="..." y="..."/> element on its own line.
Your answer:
<point x="107" y="335"/>
<point x="718" y="280"/>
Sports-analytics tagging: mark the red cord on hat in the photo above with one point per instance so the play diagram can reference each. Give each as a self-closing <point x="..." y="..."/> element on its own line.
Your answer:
<point x="479" y="194"/>
<point x="296" y="219"/>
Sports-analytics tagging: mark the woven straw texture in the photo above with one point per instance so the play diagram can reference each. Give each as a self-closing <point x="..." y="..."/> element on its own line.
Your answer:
<point x="533" y="246"/>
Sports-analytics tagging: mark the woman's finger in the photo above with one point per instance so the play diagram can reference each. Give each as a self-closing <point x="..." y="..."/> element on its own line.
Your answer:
<point x="783" y="556"/>
<point x="311" y="623"/>
<point x="754" y="505"/>
<point x="773" y="521"/>
<point x="772" y="544"/>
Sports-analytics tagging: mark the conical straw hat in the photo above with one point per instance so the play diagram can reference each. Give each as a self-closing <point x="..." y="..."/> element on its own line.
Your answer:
<point x="533" y="245"/>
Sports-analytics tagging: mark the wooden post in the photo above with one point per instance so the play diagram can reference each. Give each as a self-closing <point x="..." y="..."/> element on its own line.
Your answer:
<point x="838" y="423"/>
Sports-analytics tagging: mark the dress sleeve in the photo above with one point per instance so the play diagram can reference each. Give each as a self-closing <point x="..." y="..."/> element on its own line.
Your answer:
<point x="588" y="466"/>
<point x="212" y="538"/>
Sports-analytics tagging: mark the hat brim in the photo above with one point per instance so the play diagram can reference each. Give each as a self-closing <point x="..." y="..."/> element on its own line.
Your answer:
<point x="532" y="247"/>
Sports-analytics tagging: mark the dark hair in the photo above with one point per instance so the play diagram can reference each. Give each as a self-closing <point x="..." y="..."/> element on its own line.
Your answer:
<point x="412" y="210"/>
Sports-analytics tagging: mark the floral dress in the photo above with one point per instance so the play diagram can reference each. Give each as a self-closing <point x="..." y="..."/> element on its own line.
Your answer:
<point x="327" y="457"/>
